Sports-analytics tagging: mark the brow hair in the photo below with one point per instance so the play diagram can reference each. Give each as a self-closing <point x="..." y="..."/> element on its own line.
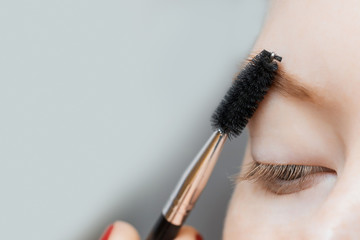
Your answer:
<point x="288" y="84"/>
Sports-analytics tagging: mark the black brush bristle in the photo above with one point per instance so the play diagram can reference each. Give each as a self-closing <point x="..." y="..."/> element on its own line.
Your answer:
<point x="244" y="96"/>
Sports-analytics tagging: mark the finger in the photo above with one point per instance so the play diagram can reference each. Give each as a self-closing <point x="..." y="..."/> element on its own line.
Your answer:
<point x="188" y="233"/>
<point x="120" y="231"/>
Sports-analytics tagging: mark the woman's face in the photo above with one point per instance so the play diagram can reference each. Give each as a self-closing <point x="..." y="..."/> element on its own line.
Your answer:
<point x="319" y="42"/>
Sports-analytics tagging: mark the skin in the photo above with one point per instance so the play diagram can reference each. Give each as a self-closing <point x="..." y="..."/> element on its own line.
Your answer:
<point x="318" y="41"/>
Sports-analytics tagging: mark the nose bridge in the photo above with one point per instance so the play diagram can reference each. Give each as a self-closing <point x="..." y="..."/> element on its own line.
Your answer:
<point x="339" y="216"/>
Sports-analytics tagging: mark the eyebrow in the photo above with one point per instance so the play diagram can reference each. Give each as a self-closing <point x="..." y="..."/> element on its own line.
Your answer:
<point x="288" y="85"/>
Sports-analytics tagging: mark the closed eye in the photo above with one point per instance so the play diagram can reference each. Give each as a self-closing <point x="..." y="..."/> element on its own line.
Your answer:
<point x="283" y="179"/>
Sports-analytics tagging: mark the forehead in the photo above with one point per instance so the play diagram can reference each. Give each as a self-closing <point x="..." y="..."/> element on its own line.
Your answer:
<point x="318" y="41"/>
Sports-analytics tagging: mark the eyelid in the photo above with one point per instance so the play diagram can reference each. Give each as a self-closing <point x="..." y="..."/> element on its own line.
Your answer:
<point x="282" y="179"/>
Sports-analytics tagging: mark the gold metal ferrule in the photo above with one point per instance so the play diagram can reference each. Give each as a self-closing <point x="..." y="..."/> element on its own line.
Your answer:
<point x="194" y="180"/>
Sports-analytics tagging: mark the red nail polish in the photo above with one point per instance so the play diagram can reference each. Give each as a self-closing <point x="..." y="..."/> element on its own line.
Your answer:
<point x="199" y="237"/>
<point x="107" y="233"/>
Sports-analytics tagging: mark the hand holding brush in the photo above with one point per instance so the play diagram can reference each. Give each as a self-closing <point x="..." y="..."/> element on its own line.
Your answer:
<point x="228" y="121"/>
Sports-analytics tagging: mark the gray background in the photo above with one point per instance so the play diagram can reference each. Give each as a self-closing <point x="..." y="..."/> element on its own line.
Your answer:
<point x="104" y="103"/>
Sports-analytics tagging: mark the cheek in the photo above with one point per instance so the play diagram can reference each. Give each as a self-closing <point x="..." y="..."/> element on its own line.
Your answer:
<point x="260" y="215"/>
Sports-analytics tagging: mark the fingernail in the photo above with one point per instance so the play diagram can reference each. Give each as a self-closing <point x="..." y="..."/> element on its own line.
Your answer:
<point x="107" y="233"/>
<point x="199" y="237"/>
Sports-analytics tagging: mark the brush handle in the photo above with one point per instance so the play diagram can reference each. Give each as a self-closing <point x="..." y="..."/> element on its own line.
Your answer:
<point x="188" y="189"/>
<point x="163" y="230"/>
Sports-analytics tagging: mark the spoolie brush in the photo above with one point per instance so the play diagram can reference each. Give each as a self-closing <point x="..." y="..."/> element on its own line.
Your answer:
<point x="228" y="121"/>
<point x="244" y="96"/>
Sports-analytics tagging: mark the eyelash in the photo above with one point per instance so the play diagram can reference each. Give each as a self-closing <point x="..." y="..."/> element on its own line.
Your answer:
<point x="282" y="179"/>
